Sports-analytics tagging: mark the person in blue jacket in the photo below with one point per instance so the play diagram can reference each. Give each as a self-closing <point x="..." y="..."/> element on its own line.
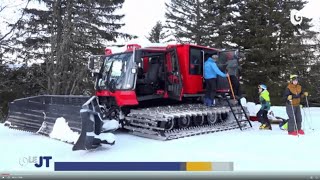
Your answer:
<point x="211" y="70"/>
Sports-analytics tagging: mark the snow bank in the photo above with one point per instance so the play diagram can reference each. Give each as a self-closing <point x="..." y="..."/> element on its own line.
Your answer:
<point x="243" y="101"/>
<point x="253" y="108"/>
<point x="109" y="137"/>
<point x="62" y="131"/>
<point x="110" y="125"/>
<point x="247" y="158"/>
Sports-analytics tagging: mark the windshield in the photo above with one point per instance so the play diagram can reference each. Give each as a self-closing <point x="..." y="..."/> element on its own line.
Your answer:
<point x="115" y="72"/>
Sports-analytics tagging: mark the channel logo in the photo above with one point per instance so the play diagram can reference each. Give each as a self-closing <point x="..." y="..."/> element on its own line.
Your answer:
<point x="295" y="17"/>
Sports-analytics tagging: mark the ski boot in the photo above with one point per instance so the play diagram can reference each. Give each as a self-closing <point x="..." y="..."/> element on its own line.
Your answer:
<point x="265" y="127"/>
<point x="301" y="132"/>
<point x="262" y="126"/>
<point x="293" y="133"/>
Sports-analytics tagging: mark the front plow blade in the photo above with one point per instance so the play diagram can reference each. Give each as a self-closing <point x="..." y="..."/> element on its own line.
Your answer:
<point x="38" y="114"/>
<point x="58" y="117"/>
<point x="91" y="135"/>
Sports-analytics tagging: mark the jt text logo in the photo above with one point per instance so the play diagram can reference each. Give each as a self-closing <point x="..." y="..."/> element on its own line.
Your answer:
<point x="41" y="159"/>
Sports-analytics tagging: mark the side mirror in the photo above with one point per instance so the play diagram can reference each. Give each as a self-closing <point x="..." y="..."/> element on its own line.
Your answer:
<point x="95" y="62"/>
<point x="91" y="63"/>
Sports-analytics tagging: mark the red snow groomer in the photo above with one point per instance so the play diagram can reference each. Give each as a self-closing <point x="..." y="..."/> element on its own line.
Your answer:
<point x="156" y="92"/>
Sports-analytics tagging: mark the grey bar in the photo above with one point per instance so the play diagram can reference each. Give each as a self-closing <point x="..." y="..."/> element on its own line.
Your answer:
<point x="185" y="175"/>
<point x="222" y="166"/>
<point x="183" y="166"/>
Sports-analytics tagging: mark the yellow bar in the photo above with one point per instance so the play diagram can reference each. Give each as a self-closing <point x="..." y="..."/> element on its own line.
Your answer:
<point x="199" y="166"/>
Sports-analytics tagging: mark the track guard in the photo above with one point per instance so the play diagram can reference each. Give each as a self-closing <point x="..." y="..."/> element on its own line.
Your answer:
<point x="92" y="126"/>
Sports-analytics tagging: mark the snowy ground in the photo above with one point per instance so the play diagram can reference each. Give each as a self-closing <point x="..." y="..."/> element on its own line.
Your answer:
<point x="251" y="150"/>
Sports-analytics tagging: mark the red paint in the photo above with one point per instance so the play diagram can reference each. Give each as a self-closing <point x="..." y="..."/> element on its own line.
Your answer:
<point x="145" y="64"/>
<point x="130" y="47"/>
<point x="160" y="92"/>
<point x="107" y="51"/>
<point x="223" y="90"/>
<point x="123" y="98"/>
<point x="253" y="118"/>
<point x="181" y="94"/>
<point x="166" y="95"/>
<point x="192" y="84"/>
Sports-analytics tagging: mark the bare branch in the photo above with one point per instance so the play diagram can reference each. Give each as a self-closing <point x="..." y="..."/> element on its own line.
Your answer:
<point x="15" y="25"/>
<point x="2" y="8"/>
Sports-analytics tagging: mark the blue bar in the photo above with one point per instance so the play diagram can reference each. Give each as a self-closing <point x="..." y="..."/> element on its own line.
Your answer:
<point x="119" y="166"/>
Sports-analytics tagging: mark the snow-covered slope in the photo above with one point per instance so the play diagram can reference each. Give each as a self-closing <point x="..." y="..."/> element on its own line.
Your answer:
<point x="250" y="150"/>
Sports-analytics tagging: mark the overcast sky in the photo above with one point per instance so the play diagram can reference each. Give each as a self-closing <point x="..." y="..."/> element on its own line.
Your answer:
<point x="142" y="15"/>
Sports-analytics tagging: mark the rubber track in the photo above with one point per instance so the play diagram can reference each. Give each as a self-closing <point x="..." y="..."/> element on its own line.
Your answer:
<point x="144" y="122"/>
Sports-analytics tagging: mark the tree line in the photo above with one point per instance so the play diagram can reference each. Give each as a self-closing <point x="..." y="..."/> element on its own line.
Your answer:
<point x="61" y="36"/>
<point x="274" y="47"/>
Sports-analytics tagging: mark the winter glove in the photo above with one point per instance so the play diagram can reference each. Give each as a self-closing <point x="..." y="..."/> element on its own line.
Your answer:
<point x="289" y="97"/>
<point x="306" y="94"/>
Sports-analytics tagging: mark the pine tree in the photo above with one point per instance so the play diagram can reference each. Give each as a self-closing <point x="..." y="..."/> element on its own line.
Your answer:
<point x="184" y="18"/>
<point x="204" y="22"/>
<point x="275" y="46"/>
<point x="64" y="35"/>
<point x="157" y="33"/>
<point x="218" y="22"/>
<point x="313" y="79"/>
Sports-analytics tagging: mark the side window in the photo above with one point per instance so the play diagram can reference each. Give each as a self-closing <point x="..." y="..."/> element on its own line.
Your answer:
<point x="174" y="62"/>
<point x="195" y="61"/>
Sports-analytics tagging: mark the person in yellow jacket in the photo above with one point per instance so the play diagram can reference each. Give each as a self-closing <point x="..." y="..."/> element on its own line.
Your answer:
<point x="293" y="95"/>
<point x="262" y="115"/>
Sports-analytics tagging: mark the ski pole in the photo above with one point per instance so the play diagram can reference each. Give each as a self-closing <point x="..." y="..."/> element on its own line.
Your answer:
<point x="231" y="86"/>
<point x="306" y="119"/>
<point x="310" y="117"/>
<point x="294" y="117"/>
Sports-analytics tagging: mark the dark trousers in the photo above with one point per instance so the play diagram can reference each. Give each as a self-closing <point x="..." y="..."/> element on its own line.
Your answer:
<point x="294" y="115"/>
<point x="263" y="117"/>
<point x="211" y="86"/>
<point x="235" y="85"/>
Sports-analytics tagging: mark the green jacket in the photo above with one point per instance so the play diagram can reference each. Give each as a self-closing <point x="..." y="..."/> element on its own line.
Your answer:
<point x="264" y="99"/>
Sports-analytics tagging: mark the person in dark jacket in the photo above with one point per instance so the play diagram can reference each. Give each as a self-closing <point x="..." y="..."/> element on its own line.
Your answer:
<point x="233" y="71"/>
<point x="211" y="70"/>
<point x="293" y="95"/>
<point x="262" y="115"/>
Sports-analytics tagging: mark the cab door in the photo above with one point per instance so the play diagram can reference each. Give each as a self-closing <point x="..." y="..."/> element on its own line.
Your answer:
<point x="173" y="75"/>
<point x="225" y="56"/>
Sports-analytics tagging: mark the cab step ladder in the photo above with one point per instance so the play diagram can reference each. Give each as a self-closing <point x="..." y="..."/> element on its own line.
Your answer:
<point x="238" y="111"/>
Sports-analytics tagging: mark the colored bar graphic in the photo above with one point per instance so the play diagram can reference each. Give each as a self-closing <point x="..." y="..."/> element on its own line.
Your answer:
<point x="222" y="166"/>
<point x="199" y="166"/>
<point x="117" y="166"/>
<point x="143" y="166"/>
